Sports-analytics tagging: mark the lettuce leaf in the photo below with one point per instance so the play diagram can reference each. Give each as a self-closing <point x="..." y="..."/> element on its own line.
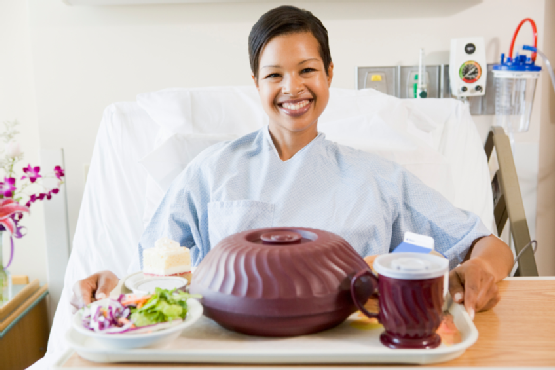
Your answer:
<point x="164" y="305"/>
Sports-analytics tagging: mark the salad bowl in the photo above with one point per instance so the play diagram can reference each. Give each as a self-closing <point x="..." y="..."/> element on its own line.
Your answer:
<point x="141" y="338"/>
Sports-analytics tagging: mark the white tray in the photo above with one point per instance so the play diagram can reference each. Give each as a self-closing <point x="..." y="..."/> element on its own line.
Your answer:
<point x="208" y="342"/>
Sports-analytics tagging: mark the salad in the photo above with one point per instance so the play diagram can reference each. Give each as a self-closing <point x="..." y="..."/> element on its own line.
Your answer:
<point x="137" y="314"/>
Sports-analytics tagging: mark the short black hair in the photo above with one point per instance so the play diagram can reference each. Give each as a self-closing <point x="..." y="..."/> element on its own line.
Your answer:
<point x="283" y="20"/>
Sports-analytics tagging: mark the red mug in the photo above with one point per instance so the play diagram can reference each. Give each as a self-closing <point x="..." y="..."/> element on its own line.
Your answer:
<point x="410" y="287"/>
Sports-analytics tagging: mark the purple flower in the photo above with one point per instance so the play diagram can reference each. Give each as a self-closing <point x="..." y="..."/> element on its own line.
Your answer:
<point x="59" y="171"/>
<point x="7" y="187"/>
<point x="32" y="173"/>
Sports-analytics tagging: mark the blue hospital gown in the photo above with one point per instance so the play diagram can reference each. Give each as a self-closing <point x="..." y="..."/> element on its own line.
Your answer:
<point x="369" y="201"/>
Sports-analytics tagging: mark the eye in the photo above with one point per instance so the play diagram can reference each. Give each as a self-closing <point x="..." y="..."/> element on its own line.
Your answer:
<point x="308" y="70"/>
<point x="273" y="75"/>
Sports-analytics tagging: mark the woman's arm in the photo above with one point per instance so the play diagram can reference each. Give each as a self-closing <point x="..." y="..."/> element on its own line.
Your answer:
<point x="473" y="282"/>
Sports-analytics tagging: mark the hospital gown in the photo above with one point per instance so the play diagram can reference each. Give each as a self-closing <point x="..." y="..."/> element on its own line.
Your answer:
<point x="369" y="201"/>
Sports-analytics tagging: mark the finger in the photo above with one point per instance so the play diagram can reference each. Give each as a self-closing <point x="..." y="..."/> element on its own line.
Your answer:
<point x="87" y="287"/>
<point x="80" y="294"/>
<point x="456" y="288"/>
<point x="493" y="298"/>
<point x="488" y="291"/>
<point x="75" y="303"/>
<point x="106" y="283"/>
<point x="472" y="287"/>
<point x="492" y="303"/>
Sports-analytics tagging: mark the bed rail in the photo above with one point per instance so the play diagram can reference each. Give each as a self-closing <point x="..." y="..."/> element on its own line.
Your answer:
<point x="507" y="200"/>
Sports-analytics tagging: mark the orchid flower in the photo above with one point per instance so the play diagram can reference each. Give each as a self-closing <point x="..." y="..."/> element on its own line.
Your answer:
<point x="32" y="173"/>
<point x="7" y="187"/>
<point x="7" y="208"/>
<point x="59" y="172"/>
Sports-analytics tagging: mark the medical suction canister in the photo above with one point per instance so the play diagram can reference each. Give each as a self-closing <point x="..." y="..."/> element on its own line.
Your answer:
<point x="515" y="82"/>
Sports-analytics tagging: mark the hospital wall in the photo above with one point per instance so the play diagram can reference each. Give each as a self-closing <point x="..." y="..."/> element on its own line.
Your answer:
<point x="545" y="230"/>
<point x="65" y="64"/>
<point x="18" y="101"/>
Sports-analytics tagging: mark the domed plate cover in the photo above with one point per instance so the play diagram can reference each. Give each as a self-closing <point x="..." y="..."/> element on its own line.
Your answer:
<point x="279" y="281"/>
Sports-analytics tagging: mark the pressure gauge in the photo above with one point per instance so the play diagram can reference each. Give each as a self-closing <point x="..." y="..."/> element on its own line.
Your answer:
<point x="470" y="71"/>
<point x="467" y="67"/>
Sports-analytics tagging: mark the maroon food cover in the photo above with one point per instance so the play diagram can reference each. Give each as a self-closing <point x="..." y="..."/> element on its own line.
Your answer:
<point x="279" y="281"/>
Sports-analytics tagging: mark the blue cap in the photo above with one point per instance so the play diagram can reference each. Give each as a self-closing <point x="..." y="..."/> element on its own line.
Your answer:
<point x="520" y="63"/>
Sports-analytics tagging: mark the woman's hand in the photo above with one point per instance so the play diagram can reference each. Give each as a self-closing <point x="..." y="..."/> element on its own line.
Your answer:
<point x="474" y="285"/>
<point x="96" y="286"/>
<point x="474" y="282"/>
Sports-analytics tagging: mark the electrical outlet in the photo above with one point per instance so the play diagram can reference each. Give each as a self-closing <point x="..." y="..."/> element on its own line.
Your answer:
<point x="376" y="81"/>
<point x="382" y="79"/>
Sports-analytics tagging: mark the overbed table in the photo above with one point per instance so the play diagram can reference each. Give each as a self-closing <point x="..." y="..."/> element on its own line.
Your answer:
<point x="518" y="332"/>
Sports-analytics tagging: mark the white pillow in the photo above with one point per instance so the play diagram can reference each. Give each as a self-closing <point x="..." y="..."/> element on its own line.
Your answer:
<point x="209" y="110"/>
<point x="419" y="135"/>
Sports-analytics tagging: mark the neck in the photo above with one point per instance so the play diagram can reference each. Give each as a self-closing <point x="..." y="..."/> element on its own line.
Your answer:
<point x="288" y="143"/>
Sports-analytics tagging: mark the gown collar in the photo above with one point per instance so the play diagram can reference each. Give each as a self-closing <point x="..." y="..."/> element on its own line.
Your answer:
<point x="266" y="131"/>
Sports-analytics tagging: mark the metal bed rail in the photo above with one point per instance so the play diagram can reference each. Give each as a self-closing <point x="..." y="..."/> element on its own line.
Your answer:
<point x="507" y="200"/>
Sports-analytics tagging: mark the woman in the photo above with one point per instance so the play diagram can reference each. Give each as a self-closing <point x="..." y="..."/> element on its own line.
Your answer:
<point x="287" y="174"/>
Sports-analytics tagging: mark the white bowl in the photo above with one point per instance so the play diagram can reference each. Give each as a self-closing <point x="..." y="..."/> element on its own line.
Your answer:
<point x="129" y="341"/>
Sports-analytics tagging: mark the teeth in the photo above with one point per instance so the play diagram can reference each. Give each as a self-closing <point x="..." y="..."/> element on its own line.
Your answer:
<point x="296" y="106"/>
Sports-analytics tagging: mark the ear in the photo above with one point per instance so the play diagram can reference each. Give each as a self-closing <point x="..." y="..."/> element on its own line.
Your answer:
<point x="330" y="73"/>
<point x="255" y="82"/>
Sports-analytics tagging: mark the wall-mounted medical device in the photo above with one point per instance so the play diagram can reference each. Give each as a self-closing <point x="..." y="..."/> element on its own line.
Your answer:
<point x="515" y="85"/>
<point x="401" y="81"/>
<point x="467" y="67"/>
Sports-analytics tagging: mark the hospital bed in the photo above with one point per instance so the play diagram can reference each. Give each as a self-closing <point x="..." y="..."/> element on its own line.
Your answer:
<point x="141" y="146"/>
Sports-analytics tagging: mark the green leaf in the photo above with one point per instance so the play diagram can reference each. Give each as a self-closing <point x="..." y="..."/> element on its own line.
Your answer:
<point x="164" y="305"/>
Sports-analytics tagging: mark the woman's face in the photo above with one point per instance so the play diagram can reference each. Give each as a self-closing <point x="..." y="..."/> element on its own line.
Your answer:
<point x="292" y="82"/>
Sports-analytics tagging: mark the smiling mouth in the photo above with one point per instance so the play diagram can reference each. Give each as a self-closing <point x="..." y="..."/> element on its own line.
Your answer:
<point x="296" y="108"/>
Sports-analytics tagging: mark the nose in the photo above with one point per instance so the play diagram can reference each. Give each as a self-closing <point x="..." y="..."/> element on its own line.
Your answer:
<point x="292" y="85"/>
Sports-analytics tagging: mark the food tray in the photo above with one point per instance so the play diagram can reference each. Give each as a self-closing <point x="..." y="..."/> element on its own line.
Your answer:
<point x="354" y="341"/>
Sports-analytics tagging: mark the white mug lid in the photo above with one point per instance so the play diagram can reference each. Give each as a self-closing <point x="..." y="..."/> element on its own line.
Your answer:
<point x="411" y="266"/>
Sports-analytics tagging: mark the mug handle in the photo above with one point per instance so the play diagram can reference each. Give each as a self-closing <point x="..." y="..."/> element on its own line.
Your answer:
<point x="360" y="305"/>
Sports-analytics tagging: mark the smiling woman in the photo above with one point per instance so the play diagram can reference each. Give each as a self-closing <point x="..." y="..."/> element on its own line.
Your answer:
<point x="288" y="174"/>
<point x="294" y="89"/>
<point x="292" y="70"/>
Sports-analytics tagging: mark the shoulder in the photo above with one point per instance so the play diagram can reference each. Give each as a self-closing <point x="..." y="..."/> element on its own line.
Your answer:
<point x="363" y="162"/>
<point x="225" y="149"/>
<point x="213" y="160"/>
